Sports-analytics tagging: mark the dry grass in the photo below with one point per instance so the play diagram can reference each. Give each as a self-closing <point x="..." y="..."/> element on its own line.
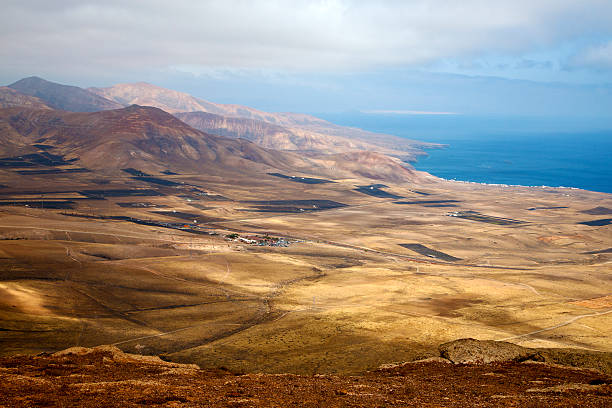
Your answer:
<point x="347" y="298"/>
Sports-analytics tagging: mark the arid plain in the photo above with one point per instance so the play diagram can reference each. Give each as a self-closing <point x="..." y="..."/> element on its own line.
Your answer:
<point x="362" y="275"/>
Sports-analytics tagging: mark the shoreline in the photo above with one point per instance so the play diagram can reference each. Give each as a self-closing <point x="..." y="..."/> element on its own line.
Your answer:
<point x="414" y="164"/>
<point x="505" y="185"/>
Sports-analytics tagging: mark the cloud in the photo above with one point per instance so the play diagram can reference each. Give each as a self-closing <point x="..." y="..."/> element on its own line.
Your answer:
<point x="526" y="63"/>
<point x="596" y="56"/>
<point x="322" y="35"/>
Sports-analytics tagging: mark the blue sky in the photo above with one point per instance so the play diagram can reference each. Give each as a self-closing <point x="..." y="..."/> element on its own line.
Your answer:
<point x="541" y="58"/>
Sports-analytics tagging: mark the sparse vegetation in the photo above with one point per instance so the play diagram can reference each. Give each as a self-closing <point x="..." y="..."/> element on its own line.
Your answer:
<point x="227" y="266"/>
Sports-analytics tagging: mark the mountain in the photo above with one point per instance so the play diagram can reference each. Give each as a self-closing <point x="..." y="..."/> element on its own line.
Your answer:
<point x="288" y="131"/>
<point x="152" y="140"/>
<point x="372" y="165"/>
<point x="10" y="98"/>
<point x="356" y="161"/>
<point x="105" y="135"/>
<point x="64" y="97"/>
<point x="146" y="138"/>
<point x="142" y="93"/>
<point x="263" y="133"/>
<point x="171" y="101"/>
<point x="280" y="131"/>
<point x="272" y="136"/>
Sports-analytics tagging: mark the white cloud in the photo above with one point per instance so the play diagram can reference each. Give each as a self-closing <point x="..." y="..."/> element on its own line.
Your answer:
<point x="116" y="35"/>
<point x="597" y="56"/>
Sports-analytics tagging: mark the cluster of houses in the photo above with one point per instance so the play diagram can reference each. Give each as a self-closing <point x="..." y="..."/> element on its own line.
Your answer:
<point x="260" y="240"/>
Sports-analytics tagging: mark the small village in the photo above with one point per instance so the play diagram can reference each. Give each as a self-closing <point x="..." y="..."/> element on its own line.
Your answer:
<point x="259" y="240"/>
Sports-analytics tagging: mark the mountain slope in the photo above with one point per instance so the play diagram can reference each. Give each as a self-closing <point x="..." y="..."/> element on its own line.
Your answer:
<point x="152" y="140"/>
<point x="300" y="132"/>
<point x="269" y="135"/>
<point x="64" y="97"/>
<point x="143" y="137"/>
<point x="141" y="93"/>
<point x="172" y="101"/>
<point x="356" y="161"/>
<point x="11" y="98"/>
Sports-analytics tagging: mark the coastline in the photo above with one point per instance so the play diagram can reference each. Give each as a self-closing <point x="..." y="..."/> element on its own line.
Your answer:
<point x="466" y="171"/>
<point x="517" y="185"/>
<point x="530" y="152"/>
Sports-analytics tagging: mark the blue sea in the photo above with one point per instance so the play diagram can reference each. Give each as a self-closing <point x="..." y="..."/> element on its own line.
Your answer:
<point x="556" y="152"/>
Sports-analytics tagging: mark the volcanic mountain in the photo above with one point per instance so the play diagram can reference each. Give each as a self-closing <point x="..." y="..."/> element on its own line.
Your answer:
<point x="152" y="140"/>
<point x="142" y="93"/>
<point x="143" y="137"/>
<point x="301" y="133"/>
<point x="270" y="135"/>
<point x="281" y="131"/>
<point x="329" y="151"/>
<point x="64" y="97"/>
<point x="10" y="98"/>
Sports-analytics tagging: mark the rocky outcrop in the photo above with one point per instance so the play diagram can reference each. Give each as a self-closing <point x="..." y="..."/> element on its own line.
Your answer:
<point x="466" y="351"/>
<point x="112" y="353"/>
<point x="595" y="360"/>
<point x="472" y="351"/>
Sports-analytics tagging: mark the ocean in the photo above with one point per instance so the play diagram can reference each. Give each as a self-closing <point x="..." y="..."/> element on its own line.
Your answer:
<point x="556" y="152"/>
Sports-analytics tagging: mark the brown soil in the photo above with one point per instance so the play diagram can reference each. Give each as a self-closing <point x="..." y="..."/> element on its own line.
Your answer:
<point x="596" y="303"/>
<point x="107" y="377"/>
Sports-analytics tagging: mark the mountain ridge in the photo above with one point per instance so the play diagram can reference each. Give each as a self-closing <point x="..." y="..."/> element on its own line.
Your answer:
<point x="63" y="97"/>
<point x="280" y="131"/>
<point x="10" y="98"/>
<point x="331" y="151"/>
<point x="302" y="131"/>
<point x="153" y="140"/>
<point x="145" y="137"/>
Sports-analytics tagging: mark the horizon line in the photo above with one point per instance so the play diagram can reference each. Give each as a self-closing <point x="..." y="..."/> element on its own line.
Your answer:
<point x="408" y="112"/>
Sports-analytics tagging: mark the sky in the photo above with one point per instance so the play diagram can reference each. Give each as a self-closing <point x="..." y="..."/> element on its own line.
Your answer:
<point x="536" y="57"/>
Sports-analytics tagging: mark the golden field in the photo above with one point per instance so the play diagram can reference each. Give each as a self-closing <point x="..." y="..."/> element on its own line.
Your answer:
<point x="343" y="297"/>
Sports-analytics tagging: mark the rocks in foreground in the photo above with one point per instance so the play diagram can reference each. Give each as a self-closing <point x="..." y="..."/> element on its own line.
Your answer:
<point x="466" y="351"/>
<point x="472" y="351"/>
<point x="114" y="354"/>
<point x="105" y="376"/>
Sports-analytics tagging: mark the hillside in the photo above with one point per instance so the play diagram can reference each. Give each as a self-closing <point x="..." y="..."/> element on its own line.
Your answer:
<point x="279" y="131"/>
<point x="64" y="97"/>
<point x="260" y="132"/>
<point x="152" y="140"/>
<point x="136" y="136"/>
<point x="290" y="131"/>
<point x="142" y="93"/>
<point x="10" y="98"/>
<point x="279" y="137"/>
